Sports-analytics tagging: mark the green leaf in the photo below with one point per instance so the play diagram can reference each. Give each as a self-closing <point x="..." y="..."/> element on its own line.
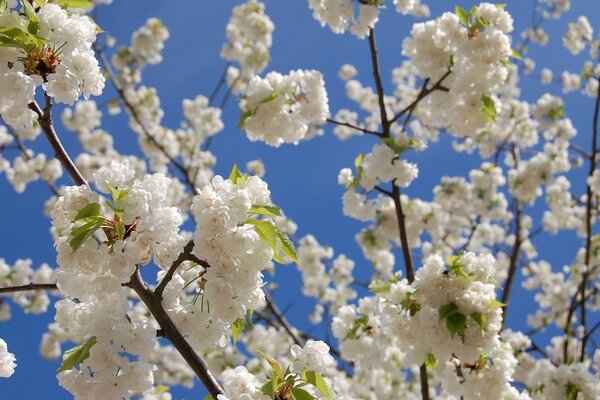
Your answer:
<point x="162" y="389"/>
<point x="269" y="211"/>
<point x="495" y="304"/>
<point x="74" y="4"/>
<point x="479" y="319"/>
<point x="276" y="238"/>
<point x="301" y="394"/>
<point x="287" y="245"/>
<point x="456" y="324"/>
<point x="40" y="3"/>
<point x="358" y="323"/>
<point x="315" y="379"/>
<point x="120" y="228"/>
<point x="500" y="6"/>
<point x="269" y="99"/>
<point x="245" y="115"/>
<point x="237" y="328"/>
<point x="117" y="194"/>
<point x="489" y="108"/>
<point x="462" y="15"/>
<point x="75" y="356"/>
<point x="431" y="361"/>
<point x="394" y="146"/>
<point x="516" y="54"/>
<point x="380" y="287"/>
<point x="236" y="176"/>
<point x="556" y="113"/>
<point x="81" y="234"/>
<point x="572" y="390"/>
<point x="91" y="210"/>
<point x="446" y="310"/>
<point x="274" y="364"/>
<point x="270" y="387"/>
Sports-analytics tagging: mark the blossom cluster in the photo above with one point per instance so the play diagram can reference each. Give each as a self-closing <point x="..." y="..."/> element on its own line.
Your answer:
<point x="341" y="15"/>
<point x="99" y="243"/>
<point x="473" y="51"/>
<point x="249" y="34"/>
<point x="281" y="109"/>
<point x="58" y="57"/>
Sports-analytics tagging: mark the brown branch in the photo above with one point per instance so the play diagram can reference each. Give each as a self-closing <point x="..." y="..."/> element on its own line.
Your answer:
<point x="514" y="258"/>
<point x="45" y="121"/>
<point x="171" y="333"/>
<point x="358" y="128"/>
<point x="187" y="250"/>
<point x="133" y="112"/>
<point x="27" y="288"/>
<point x="588" y="221"/>
<point x="396" y="192"/>
<point x="282" y="319"/>
<point x="588" y="240"/>
<point x="410" y="272"/>
<point x="378" y="84"/>
<point x="422" y="94"/>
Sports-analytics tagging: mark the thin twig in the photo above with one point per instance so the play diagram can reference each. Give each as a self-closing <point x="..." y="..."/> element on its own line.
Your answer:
<point x="358" y="128"/>
<point x="27" y="288"/>
<point x="117" y="86"/>
<point x="282" y="320"/>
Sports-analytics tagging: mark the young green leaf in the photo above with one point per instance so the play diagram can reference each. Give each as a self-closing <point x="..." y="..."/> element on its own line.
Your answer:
<point x="301" y="394"/>
<point x="456" y="324"/>
<point x="162" y="389"/>
<point x="75" y="356"/>
<point x="245" y="115"/>
<point x="489" y="108"/>
<point x="84" y="4"/>
<point x="91" y="210"/>
<point x="274" y="364"/>
<point x="315" y="379"/>
<point x="270" y="387"/>
<point x="287" y="246"/>
<point x="479" y="319"/>
<point x="269" y="211"/>
<point x="81" y="234"/>
<point x="462" y="14"/>
<point x="516" y="54"/>
<point x="495" y="304"/>
<point x="237" y="327"/>
<point x="446" y="310"/>
<point x="431" y="361"/>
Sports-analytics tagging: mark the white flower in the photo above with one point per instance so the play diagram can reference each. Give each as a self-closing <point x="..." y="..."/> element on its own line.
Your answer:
<point x="7" y="360"/>
<point x="314" y="356"/>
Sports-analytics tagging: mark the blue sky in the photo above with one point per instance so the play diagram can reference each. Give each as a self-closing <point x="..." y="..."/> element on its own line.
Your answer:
<point x="303" y="178"/>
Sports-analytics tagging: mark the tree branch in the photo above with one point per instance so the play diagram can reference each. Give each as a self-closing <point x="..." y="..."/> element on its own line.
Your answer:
<point x="27" y="288"/>
<point x="514" y="258"/>
<point x="45" y="121"/>
<point x="171" y="333"/>
<point x="282" y="319"/>
<point x="358" y="128"/>
<point x="588" y="222"/>
<point x="133" y="112"/>
<point x="171" y="271"/>
<point x="378" y="84"/>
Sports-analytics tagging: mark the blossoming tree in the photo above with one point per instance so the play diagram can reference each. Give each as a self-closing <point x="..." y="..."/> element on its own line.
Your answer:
<point x="161" y="264"/>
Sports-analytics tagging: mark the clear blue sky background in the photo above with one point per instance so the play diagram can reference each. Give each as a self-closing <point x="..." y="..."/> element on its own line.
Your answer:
<point x="303" y="179"/>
